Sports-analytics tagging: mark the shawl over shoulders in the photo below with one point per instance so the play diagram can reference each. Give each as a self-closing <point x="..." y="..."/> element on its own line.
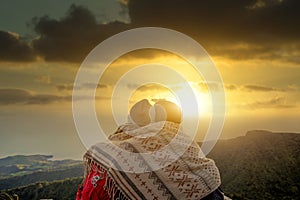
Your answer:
<point x="137" y="165"/>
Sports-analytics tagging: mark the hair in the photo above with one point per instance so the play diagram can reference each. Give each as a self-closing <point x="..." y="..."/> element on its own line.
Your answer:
<point x="142" y="113"/>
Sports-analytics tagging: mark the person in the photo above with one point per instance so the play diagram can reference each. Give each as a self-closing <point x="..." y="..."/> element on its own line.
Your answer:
<point x="111" y="175"/>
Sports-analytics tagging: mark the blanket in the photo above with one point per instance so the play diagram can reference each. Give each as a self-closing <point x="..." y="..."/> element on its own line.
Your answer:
<point x="156" y="161"/>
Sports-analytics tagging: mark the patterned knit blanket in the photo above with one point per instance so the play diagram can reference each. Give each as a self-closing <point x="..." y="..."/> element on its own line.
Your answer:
<point x="157" y="161"/>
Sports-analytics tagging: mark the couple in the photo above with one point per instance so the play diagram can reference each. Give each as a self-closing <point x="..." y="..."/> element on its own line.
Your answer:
<point x="135" y="164"/>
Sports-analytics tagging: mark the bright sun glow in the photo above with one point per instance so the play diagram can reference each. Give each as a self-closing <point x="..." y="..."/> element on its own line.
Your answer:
<point x="158" y="92"/>
<point x="202" y="99"/>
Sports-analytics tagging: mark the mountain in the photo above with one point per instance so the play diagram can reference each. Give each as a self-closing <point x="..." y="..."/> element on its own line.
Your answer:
<point x="40" y="176"/>
<point x="21" y="165"/>
<point x="20" y="170"/>
<point x="259" y="165"/>
<point x="56" y="190"/>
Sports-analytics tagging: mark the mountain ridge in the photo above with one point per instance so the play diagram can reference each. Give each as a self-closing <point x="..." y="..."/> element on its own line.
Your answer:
<point x="259" y="165"/>
<point x="19" y="165"/>
<point x="260" y="160"/>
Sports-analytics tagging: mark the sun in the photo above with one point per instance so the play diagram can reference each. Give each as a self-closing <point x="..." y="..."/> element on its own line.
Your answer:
<point x="202" y="99"/>
<point x="196" y="105"/>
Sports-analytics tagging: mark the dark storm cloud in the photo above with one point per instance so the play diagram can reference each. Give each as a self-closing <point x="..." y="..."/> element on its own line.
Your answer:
<point x="233" y="29"/>
<point x="72" y="37"/>
<point x="249" y="29"/>
<point x="13" y="48"/>
<point x="270" y="29"/>
<point x="232" y="20"/>
<point x="21" y="96"/>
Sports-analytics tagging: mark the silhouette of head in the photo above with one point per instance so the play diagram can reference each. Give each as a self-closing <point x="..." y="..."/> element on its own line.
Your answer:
<point x="167" y="111"/>
<point x="139" y="113"/>
<point x="142" y="113"/>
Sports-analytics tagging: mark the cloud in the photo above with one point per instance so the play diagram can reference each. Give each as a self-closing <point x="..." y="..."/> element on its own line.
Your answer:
<point x="43" y="79"/>
<point x="270" y="30"/>
<point x="260" y="88"/>
<point x="20" y="96"/>
<point x="72" y="37"/>
<point x="205" y="86"/>
<point x="261" y="29"/>
<point x="284" y="51"/>
<point x="64" y="87"/>
<point x="293" y="87"/>
<point x="14" y="48"/>
<point x="231" y="87"/>
<point x="154" y="100"/>
<point x="69" y="87"/>
<point x="149" y="87"/>
<point x="246" y="88"/>
<point x="90" y="86"/>
<point x="277" y="102"/>
<point x="147" y="53"/>
<point x="233" y="29"/>
<point x="14" y="96"/>
<point x="219" y="19"/>
<point x="259" y="4"/>
<point x="47" y="99"/>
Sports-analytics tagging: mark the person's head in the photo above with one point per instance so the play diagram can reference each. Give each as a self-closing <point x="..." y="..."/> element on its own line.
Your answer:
<point x="167" y="111"/>
<point x="139" y="113"/>
<point x="142" y="113"/>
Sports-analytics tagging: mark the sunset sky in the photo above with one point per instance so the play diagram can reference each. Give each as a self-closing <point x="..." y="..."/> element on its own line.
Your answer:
<point x="255" y="45"/>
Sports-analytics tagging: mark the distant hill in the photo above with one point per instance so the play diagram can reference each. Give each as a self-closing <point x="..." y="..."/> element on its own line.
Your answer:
<point x="21" y="165"/>
<point x="259" y="165"/>
<point x="22" y="170"/>
<point x="56" y="190"/>
<point x="40" y="176"/>
<point x="25" y="160"/>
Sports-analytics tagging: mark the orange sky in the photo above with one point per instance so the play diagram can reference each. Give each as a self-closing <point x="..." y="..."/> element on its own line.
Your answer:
<point x="256" y="54"/>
